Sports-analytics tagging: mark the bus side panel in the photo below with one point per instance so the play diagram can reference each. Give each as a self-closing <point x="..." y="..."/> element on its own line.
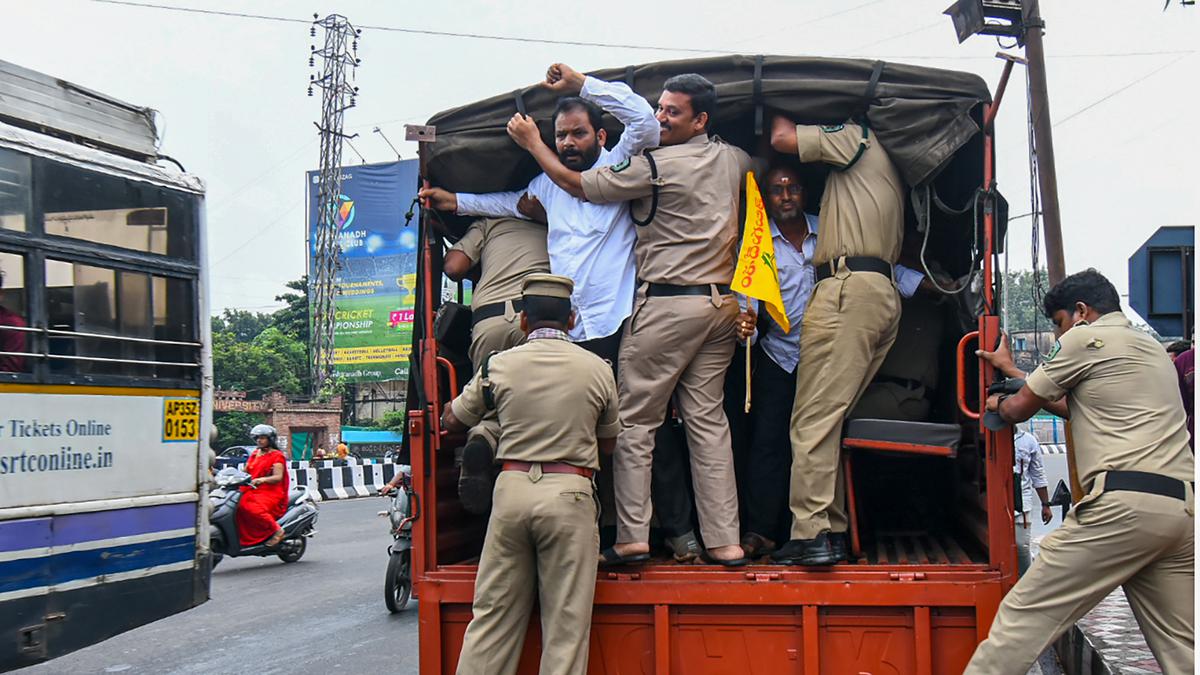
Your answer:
<point x="69" y="581"/>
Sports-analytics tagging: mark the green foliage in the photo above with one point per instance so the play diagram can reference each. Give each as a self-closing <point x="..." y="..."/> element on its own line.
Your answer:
<point x="293" y="319"/>
<point x="1023" y="308"/>
<point x="393" y="420"/>
<point x="270" y="362"/>
<point x="233" y="427"/>
<point x="258" y="353"/>
<point x="243" y="325"/>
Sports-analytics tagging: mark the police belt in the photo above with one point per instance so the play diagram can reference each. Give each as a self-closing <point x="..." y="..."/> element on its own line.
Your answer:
<point x="547" y="467"/>
<point x="855" y="263"/>
<point x="495" y="309"/>
<point x="1140" y="481"/>
<point x="661" y="290"/>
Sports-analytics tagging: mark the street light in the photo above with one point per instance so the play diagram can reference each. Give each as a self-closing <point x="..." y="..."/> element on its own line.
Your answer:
<point x="970" y="17"/>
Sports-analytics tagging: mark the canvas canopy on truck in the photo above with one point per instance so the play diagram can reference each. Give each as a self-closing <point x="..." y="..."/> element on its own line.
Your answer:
<point x="922" y="116"/>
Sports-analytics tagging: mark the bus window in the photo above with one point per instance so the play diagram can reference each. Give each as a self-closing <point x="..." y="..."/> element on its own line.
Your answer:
<point x="174" y="321"/>
<point x="14" y="191"/>
<point x="13" y="314"/>
<point x="81" y="299"/>
<point x="116" y="211"/>
<point x="138" y="310"/>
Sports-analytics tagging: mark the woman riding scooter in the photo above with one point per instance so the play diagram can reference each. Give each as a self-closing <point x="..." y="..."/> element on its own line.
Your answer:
<point x="265" y="500"/>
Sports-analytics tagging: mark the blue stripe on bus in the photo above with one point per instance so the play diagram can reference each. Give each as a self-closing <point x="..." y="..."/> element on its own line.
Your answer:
<point x="72" y="565"/>
<point x="16" y="535"/>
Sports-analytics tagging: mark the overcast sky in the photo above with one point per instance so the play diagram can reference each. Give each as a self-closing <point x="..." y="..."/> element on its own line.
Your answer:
<point x="1123" y="80"/>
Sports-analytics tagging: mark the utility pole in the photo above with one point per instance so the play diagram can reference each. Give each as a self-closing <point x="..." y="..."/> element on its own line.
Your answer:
<point x="1043" y="140"/>
<point x="339" y="58"/>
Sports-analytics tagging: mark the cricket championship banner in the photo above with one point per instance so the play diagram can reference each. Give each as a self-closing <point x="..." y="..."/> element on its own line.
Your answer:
<point x="372" y="336"/>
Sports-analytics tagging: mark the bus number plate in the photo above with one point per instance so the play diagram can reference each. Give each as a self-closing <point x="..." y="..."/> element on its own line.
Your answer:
<point x="181" y="419"/>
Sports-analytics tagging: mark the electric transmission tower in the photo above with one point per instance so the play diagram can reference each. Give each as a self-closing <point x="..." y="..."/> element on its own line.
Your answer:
<point x="339" y="59"/>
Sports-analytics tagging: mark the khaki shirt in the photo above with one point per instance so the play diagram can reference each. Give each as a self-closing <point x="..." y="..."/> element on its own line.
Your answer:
<point x="508" y="249"/>
<point x="691" y="239"/>
<point x="862" y="210"/>
<point x="1126" y="412"/>
<point x="553" y="399"/>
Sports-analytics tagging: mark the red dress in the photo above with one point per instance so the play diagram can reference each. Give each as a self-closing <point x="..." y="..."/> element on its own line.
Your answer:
<point x="259" y="509"/>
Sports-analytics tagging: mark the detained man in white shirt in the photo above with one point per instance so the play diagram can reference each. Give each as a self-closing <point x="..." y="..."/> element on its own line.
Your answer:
<point x="1031" y="476"/>
<point x="592" y="244"/>
<point x="768" y="460"/>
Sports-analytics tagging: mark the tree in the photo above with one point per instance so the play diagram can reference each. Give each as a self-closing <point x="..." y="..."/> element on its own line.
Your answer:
<point x="293" y="319"/>
<point x="1023" y="307"/>
<point x="233" y="428"/>
<point x="243" y="325"/>
<point x="272" y="361"/>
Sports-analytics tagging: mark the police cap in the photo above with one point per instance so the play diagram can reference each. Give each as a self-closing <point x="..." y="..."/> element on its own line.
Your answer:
<point x="547" y="285"/>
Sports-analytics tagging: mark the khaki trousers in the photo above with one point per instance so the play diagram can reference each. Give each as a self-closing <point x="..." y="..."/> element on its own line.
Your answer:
<point x="850" y="324"/>
<point x="542" y="542"/>
<point x="1143" y="543"/>
<point x="681" y="345"/>
<point x="494" y="334"/>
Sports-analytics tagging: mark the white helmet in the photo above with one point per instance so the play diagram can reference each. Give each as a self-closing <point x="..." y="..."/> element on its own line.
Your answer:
<point x="264" y="430"/>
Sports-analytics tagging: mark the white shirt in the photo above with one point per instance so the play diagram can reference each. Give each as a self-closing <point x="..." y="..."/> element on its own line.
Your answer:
<point x="797" y="278"/>
<point x="592" y="244"/>
<point x="1027" y="461"/>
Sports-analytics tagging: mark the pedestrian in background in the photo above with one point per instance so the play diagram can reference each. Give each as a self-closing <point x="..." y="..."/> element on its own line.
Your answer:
<point x="1031" y="476"/>
<point x="1185" y="370"/>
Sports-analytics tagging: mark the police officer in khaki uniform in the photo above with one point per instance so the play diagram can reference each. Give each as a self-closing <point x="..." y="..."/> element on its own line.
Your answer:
<point x="506" y="251"/>
<point x="1135" y="526"/>
<point x="557" y="405"/>
<point x="850" y="323"/>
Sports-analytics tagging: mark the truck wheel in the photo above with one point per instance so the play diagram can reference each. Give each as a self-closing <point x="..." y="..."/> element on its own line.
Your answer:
<point x="397" y="586"/>
<point x="216" y="560"/>
<point x="292" y="550"/>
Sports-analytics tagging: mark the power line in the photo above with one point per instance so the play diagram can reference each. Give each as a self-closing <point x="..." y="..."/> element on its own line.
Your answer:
<point x="421" y="31"/>
<point x="261" y="232"/>
<point x="610" y="45"/>
<point x="229" y="198"/>
<point x="1104" y="98"/>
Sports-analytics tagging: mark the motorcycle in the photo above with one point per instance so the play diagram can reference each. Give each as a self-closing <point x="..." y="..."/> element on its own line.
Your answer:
<point x="298" y="522"/>
<point x="404" y="509"/>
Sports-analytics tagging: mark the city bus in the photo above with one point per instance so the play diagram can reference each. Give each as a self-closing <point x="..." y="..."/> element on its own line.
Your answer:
<point x="930" y="501"/>
<point x="105" y="372"/>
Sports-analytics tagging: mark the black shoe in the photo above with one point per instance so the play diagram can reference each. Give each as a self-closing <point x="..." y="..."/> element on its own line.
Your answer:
<point x="475" y="477"/>
<point x="814" y="552"/>
<point x="837" y="542"/>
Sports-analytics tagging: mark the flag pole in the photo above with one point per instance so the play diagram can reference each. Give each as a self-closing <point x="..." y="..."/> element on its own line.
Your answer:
<point x="747" y="376"/>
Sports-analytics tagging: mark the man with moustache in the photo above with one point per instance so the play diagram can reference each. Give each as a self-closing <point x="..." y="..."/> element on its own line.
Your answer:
<point x="591" y="244"/>
<point x="680" y="337"/>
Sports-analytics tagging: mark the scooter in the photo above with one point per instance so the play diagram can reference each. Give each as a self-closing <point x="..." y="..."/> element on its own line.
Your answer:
<point x="404" y="509"/>
<point x="298" y="522"/>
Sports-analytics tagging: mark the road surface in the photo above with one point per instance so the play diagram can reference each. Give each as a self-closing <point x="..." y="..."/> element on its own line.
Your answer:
<point x="322" y="614"/>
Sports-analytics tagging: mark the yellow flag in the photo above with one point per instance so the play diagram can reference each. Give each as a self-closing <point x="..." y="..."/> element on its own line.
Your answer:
<point x="756" y="275"/>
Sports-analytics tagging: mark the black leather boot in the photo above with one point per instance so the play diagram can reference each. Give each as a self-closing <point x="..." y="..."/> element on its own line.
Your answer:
<point x="816" y="551"/>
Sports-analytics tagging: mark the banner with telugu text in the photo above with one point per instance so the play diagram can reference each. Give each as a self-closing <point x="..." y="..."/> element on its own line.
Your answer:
<point x="374" y="314"/>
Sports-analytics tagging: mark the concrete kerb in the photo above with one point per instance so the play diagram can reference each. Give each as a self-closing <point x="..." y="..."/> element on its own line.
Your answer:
<point x="340" y="479"/>
<point x="1079" y="656"/>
